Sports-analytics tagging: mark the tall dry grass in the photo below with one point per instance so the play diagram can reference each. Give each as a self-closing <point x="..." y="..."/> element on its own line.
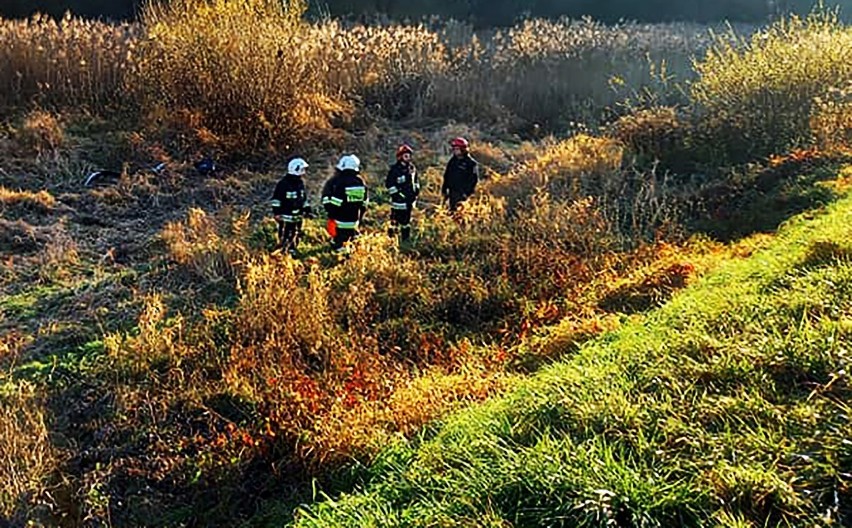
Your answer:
<point x="591" y="193"/>
<point x="386" y="70"/>
<point x="250" y="75"/>
<point x="831" y="121"/>
<point x="557" y="73"/>
<point x="27" y="456"/>
<point x="206" y="245"/>
<point x="239" y="68"/>
<point x="66" y="63"/>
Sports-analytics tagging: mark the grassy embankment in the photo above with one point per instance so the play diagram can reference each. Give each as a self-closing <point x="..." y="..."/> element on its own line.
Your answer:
<point x="728" y="406"/>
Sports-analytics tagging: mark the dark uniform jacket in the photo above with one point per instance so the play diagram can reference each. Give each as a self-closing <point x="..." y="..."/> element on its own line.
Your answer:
<point x="345" y="198"/>
<point x="460" y="176"/>
<point x="290" y="199"/>
<point x="403" y="185"/>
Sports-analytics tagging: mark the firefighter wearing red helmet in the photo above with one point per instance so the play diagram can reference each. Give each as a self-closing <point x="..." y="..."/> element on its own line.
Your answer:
<point x="461" y="174"/>
<point x="403" y="186"/>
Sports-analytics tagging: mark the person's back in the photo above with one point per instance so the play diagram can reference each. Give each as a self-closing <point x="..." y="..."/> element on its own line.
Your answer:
<point x="289" y="198"/>
<point x="345" y="199"/>
<point x="290" y="204"/>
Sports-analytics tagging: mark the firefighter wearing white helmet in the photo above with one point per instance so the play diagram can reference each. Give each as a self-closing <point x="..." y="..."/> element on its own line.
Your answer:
<point x="290" y="205"/>
<point x="344" y="198"/>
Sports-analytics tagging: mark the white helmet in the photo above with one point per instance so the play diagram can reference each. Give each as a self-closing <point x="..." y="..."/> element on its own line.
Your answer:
<point x="349" y="162"/>
<point x="297" y="167"/>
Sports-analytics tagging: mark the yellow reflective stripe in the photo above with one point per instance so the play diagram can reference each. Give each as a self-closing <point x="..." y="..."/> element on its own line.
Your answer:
<point x="356" y="194"/>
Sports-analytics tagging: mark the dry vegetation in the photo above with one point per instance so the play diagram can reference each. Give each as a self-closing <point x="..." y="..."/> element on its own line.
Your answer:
<point x="65" y="63"/>
<point x="207" y="69"/>
<point x="761" y="102"/>
<point x="160" y="365"/>
<point x="26" y="453"/>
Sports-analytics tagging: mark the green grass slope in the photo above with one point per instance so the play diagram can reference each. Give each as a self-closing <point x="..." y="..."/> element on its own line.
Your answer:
<point x="729" y="406"/>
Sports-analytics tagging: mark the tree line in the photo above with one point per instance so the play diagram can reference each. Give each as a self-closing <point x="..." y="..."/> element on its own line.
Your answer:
<point x="483" y="13"/>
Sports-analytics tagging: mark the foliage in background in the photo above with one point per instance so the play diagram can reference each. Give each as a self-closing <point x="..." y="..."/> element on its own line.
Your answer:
<point x="760" y="97"/>
<point x="68" y="63"/>
<point x="244" y="78"/>
<point x="236" y="71"/>
<point x="483" y="13"/>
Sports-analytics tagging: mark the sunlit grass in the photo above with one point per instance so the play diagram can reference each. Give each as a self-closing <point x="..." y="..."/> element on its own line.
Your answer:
<point x="709" y="408"/>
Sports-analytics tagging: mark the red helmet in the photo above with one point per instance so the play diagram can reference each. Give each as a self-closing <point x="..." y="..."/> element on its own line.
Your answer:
<point x="460" y="142"/>
<point x="403" y="149"/>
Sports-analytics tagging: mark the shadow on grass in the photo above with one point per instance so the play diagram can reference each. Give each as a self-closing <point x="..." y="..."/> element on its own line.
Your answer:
<point x="759" y="202"/>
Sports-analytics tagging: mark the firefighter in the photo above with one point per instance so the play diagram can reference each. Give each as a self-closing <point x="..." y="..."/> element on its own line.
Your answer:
<point x="290" y="205"/>
<point x="403" y="186"/>
<point x="461" y="174"/>
<point x="344" y="197"/>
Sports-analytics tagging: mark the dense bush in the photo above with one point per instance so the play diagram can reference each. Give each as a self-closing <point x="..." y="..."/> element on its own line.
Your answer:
<point x="757" y="98"/>
<point x="239" y="70"/>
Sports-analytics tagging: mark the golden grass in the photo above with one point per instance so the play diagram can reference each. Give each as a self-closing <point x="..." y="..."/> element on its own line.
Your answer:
<point x="653" y="135"/>
<point x="831" y="122"/>
<point x="26" y="454"/>
<point x="241" y="67"/>
<point x="65" y="63"/>
<point x="41" y="132"/>
<point x="39" y="202"/>
<point x="573" y="168"/>
<point x="254" y="75"/>
<point x="201" y="243"/>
